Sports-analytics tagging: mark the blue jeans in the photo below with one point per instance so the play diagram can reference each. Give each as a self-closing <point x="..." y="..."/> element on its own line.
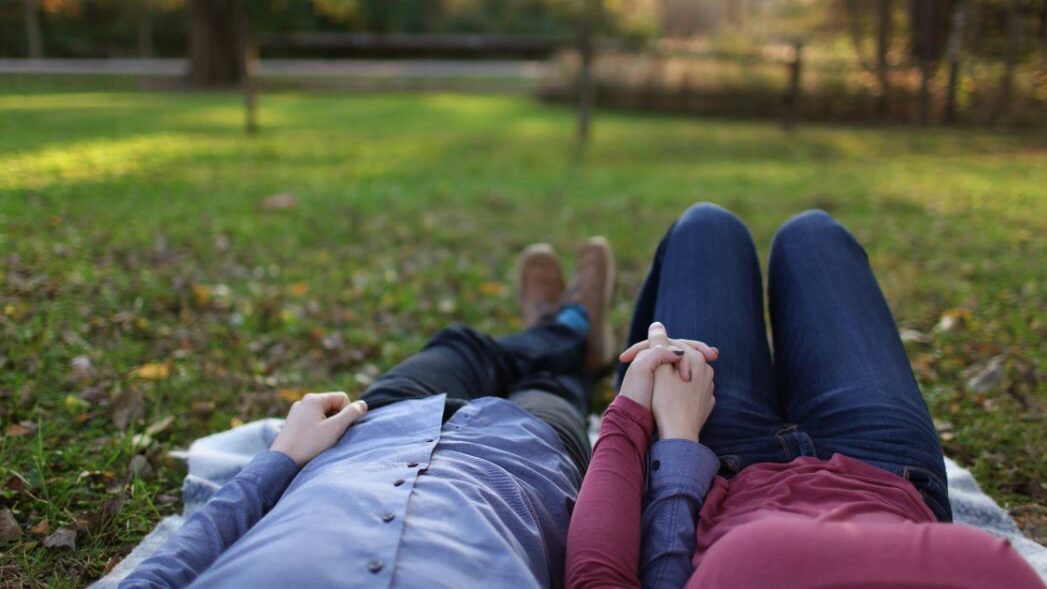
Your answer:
<point x="840" y="381"/>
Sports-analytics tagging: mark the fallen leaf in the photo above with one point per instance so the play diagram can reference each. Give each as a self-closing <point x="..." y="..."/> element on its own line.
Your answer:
<point x="161" y="426"/>
<point x="298" y="289"/>
<point x="139" y="467"/>
<point x="235" y="422"/>
<point x="41" y="528"/>
<point x="166" y="499"/>
<point x="74" y="404"/>
<point x="61" y="538"/>
<point x="912" y="335"/>
<point x="153" y="371"/>
<point x="285" y="201"/>
<point x="140" y="441"/>
<point x="987" y="378"/>
<point x="291" y="395"/>
<point x="128" y="408"/>
<point x="9" y="528"/>
<point x="81" y="366"/>
<point x="201" y="294"/>
<point x="953" y="319"/>
<point x="17" y="429"/>
<point x="492" y="289"/>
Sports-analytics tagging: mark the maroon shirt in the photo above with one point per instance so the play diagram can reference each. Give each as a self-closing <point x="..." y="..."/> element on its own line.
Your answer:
<point x="808" y="523"/>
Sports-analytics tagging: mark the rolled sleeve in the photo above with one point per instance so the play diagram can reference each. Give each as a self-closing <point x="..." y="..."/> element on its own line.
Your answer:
<point x="680" y="466"/>
<point x="680" y="473"/>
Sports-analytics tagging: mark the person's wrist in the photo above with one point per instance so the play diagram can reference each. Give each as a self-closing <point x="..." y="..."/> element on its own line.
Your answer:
<point x="671" y="430"/>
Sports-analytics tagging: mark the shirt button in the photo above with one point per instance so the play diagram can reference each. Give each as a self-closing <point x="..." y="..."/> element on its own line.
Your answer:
<point x="388" y="517"/>
<point x="375" y="566"/>
<point x="412" y="464"/>
<point x="656" y="465"/>
<point x="398" y="482"/>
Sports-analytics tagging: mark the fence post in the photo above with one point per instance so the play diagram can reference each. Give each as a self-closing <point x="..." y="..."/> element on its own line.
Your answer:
<point x="248" y="62"/>
<point x="791" y="100"/>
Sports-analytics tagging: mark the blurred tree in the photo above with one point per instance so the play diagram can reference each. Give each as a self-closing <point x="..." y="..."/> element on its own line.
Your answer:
<point x="955" y="46"/>
<point x="214" y="44"/>
<point x="33" y="38"/>
<point x="929" y="25"/>
<point x="883" y="43"/>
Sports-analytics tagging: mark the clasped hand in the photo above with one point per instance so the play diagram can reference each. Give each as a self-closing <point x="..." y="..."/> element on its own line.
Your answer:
<point x="673" y="379"/>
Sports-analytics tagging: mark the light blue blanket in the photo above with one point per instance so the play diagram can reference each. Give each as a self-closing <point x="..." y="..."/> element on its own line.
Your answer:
<point x="215" y="459"/>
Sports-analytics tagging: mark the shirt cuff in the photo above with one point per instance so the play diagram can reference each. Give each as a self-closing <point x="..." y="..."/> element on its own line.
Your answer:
<point x="681" y="464"/>
<point x="271" y="471"/>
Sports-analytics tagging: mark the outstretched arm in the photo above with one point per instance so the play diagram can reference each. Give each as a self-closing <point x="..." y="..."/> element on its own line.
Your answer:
<point x="314" y="424"/>
<point x="227" y="516"/>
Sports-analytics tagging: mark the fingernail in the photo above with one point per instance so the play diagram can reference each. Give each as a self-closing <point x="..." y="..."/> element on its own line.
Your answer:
<point x="362" y="405"/>
<point x="715" y="349"/>
<point x="657" y="324"/>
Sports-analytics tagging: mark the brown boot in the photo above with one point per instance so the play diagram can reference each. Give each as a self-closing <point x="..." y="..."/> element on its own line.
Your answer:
<point x="593" y="287"/>
<point x="539" y="283"/>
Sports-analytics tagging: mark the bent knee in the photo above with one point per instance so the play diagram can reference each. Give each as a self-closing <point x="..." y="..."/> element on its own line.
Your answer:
<point x="707" y="218"/>
<point x="810" y="227"/>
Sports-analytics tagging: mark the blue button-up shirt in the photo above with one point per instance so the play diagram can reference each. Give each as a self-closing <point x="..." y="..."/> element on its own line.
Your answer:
<point x="402" y="500"/>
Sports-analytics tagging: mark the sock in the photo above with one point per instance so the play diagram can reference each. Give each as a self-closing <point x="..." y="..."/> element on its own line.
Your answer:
<point x="574" y="316"/>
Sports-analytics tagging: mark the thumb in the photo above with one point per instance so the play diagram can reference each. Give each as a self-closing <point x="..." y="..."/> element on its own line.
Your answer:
<point x="349" y="414"/>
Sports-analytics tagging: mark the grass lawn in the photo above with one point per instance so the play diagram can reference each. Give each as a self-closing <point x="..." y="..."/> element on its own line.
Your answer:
<point x="148" y="297"/>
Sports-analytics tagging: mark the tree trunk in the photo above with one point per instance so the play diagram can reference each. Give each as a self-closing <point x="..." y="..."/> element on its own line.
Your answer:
<point x="33" y="39"/>
<point x="145" y="28"/>
<point x="1009" y="59"/>
<point x="791" y="101"/>
<point x="214" y="47"/>
<point x="248" y="60"/>
<point x="955" y="46"/>
<point x="925" y="57"/>
<point x="586" y="90"/>
<point x="883" y="43"/>
<point x="855" y="27"/>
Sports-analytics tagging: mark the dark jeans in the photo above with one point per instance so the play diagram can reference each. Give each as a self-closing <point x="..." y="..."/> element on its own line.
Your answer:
<point x="539" y="369"/>
<point x="840" y="380"/>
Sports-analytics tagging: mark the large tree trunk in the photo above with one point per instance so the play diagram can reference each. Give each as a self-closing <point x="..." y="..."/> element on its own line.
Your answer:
<point x="1009" y="59"/>
<point x="214" y="45"/>
<point x="926" y="52"/>
<point x="883" y="43"/>
<point x="955" y="46"/>
<point x="145" y="28"/>
<point x="33" y="39"/>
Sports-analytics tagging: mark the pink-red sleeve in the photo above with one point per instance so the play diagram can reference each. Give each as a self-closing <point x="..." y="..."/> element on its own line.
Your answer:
<point x="603" y="542"/>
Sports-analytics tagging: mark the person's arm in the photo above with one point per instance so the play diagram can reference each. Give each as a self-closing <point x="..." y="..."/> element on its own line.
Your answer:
<point x="680" y="473"/>
<point x="227" y="516"/>
<point x="603" y="542"/>
<point x="314" y="424"/>
<point x="680" y="469"/>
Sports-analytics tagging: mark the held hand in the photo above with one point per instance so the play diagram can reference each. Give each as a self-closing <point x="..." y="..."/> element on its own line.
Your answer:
<point x="681" y="407"/>
<point x="315" y="423"/>
<point x="651" y="354"/>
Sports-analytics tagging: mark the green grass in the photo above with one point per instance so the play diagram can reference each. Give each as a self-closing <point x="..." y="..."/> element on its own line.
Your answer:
<point x="132" y="232"/>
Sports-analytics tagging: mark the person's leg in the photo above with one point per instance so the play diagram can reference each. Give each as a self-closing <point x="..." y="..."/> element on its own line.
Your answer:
<point x="843" y="375"/>
<point x="705" y="284"/>
<point x="466" y="364"/>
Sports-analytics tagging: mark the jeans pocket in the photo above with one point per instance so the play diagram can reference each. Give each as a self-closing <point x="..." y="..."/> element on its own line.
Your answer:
<point x="932" y="489"/>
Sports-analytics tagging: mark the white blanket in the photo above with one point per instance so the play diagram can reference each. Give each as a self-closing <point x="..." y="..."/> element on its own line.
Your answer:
<point x="215" y="459"/>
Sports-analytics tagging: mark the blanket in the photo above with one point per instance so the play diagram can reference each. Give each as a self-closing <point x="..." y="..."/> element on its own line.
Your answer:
<point x="215" y="459"/>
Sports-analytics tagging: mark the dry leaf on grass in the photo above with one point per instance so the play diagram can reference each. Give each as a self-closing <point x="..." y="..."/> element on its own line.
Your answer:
<point x="9" y="528"/>
<point x="61" y="538"/>
<point x="128" y="408"/>
<point x="153" y="371"/>
<point x="285" y="201"/>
